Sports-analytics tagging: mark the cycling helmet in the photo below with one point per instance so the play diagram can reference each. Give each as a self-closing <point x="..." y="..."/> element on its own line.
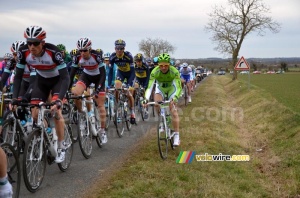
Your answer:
<point x="61" y="47"/>
<point x="35" y="33"/>
<point x="7" y="56"/>
<point x="138" y="57"/>
<point x="172" y="62"/>
<point x="148" y="60"/>
<point x="120" y="43"/>
<point x="177" y="62"/>
<point x="84" y="43"/>
<point x="155" y="60"/>
<point x="16" y="45"/>
<point x="106" y="56"/>
<point x="99" y="50"/>
<point x="74" y="52"/>
<point x="164" y="57"/>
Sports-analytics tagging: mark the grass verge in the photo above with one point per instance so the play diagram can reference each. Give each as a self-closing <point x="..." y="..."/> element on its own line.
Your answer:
<point x="225" y="117"/>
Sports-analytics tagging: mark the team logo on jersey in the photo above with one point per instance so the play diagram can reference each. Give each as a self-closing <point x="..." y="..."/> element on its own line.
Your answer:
<point x="19" y="54"/>
<point x="58" y="56"/>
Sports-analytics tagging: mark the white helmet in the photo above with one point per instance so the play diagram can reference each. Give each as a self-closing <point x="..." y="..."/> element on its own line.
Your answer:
<point x="84" y="44"/>
<point x="16" y="45"/>
<point x="35" y="33"/>
<point x="177" y="62"/>
<point x="7" y="56"/>
<point x="106" y="55"/>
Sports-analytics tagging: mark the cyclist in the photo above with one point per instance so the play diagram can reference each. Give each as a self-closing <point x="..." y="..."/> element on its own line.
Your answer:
<point x="5" y="186"/>
<point x="141" y="71"/>
<point x="79" y="70"/>
<point x="110" y="71"/>
<point x="51" y="76"/>
<point x="168" y="83"/>
<point x="124" y="61"/>
<point x="93" y="72"/>
<point x="186" y="76"/>
<point x="7" y="58"/>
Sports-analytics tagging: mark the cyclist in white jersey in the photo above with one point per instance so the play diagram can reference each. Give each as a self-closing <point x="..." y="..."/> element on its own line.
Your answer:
<point x="186" y="76"/>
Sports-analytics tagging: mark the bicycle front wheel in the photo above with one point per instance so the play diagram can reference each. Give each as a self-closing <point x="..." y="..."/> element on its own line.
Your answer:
<point x="85" y="137"/>
<point x="68" y="143"/>
<point x="34" y="161"/>
<point x="185" y="96"/>
<point x="13" y="168"/>
<point x="162" y="139"/>
<point x="97" y="137"/>
<point x="119" y="119"/>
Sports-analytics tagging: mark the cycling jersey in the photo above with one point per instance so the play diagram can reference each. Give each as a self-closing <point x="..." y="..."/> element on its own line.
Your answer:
<point x="186" y="73"/>
<point x="110" y="75"/>
<point x="93" y="69"/>
<point x="125" y="67"/>
<point x="142" y="74"/>
<point x="50" y="68"/>
<point x="123" y="63"/>
<point x="168" y="83"/>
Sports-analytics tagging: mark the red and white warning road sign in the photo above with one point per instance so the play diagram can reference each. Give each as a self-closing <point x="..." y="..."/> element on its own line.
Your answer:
<point x="242" y="64"/>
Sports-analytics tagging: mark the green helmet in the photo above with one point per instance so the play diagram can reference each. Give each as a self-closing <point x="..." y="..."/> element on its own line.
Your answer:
<point x="164" y="57"/>
<point x="61" y="47"/>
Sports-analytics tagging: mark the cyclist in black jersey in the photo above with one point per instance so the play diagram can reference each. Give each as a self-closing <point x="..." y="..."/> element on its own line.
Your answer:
<point x="93" y="72"/>
<point x="124" y="61"/>
<point x="51" y="77"/>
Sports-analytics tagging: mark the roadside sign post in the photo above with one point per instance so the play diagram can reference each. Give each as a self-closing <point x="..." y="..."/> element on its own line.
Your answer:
<point x="242" y="65"/>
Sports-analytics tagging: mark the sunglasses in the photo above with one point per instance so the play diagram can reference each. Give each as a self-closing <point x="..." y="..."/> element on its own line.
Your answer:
<point x="163" y="65"/>
<point x="120" y="48"/>
<point x="83" y="50"/>
<point x="33" y="43"/>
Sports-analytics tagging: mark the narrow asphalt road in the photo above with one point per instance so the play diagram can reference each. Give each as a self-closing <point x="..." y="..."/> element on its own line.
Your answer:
<point x="84" y="172"/>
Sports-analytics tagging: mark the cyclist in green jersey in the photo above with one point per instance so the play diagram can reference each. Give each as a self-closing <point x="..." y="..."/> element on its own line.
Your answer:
<point x="168" y="85"/>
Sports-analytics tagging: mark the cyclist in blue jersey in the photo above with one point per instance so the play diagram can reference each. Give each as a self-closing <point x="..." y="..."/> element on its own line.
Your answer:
<point x="111" y="71"/>
<point x="186" y="76"/>
<point x="124" y="61"/>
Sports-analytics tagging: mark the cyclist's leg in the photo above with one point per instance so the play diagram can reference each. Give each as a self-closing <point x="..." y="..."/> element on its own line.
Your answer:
<point x="175" y="117"/>
<point x="79" y="89"/>
<point x="5" y="186"/>
<point x="118" y="83"/>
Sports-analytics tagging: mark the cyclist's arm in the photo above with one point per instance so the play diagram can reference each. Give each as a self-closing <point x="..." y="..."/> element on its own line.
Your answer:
<point x="73" y="71"/>
<point x="64" y="80"/>
<point x="18" y="79"/>
<point x="102" y="77"/>
<point x="150" y="87"/>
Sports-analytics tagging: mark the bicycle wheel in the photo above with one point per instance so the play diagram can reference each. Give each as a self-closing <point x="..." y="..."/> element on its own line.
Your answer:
<point x="98" y="138"/>
<point x="84" y="136"/>
<point x="74" y="121"/>
<point x="108" y="113"/>
<point x="119" y="119"/>
<point x="13" y="168"/>
<point x="63" y="166"/>
<point x="126" y="118"/>
<point x="162" y="139"/>
<point x="9" y="135"/>
<point x="185" y="95"/>
<point x="34" y="161"/>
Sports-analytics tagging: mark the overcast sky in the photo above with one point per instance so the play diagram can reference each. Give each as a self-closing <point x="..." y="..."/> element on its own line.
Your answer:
<point x="180" y="22"/>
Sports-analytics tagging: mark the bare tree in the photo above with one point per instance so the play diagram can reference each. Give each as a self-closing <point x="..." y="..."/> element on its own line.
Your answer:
<point x="230" y="27"/>
<point x="153" y="47"/>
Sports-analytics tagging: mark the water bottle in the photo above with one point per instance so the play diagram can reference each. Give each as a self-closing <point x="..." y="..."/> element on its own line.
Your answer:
<point x="125" y="106"/>
<point x="29" y="124"/>
<point x="49" y="132"/>
<point x="24" y="125"/>
<point x="112" y="105"/>
<point x="162" y="112"/>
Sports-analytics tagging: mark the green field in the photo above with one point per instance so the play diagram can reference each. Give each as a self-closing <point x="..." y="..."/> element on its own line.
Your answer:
<point x="284" y="87"/>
